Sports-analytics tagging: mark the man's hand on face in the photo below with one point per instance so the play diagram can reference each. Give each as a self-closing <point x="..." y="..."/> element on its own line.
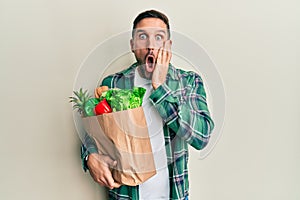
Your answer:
<point x="99" y="168"/>
<point x="162" y="64"/>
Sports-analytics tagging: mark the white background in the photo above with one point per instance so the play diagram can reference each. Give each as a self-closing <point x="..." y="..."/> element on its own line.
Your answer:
<point x="254" y="43"/>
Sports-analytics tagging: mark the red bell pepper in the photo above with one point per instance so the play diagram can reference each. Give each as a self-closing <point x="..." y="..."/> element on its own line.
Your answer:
<point x="102" y="107"/>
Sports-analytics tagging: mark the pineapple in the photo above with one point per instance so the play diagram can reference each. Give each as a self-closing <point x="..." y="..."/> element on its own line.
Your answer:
<point x="79" y="101"/>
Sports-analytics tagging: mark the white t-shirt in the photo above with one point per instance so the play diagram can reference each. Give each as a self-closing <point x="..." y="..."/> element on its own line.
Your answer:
<point x="157" y="187"/>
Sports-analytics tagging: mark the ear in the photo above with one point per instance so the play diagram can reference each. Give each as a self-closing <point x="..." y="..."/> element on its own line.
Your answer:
<point x="132" y="45"/>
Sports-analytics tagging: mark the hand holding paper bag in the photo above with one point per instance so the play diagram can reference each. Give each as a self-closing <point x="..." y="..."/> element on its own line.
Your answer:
<point x="123" y="136"/>
<point x="99" y="168"/>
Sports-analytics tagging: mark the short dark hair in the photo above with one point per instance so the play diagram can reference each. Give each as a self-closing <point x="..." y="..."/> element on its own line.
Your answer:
<point x="151" y="14"/>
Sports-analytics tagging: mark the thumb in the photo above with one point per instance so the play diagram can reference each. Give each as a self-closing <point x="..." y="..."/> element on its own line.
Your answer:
<point x="113" y="163"/>
<point x="110" y="162"/>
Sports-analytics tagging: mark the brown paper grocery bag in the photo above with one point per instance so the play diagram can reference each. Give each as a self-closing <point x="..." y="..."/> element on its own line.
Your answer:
<point x="124" y="137"/>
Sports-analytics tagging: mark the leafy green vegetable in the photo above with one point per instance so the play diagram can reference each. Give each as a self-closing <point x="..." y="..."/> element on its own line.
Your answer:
<point x="124" y="99"/>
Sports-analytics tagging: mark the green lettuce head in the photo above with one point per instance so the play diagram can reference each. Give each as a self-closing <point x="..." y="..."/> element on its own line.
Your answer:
<point x="124" y="99"/>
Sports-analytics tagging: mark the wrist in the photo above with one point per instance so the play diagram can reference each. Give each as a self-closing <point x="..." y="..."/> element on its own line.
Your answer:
<point x="155" y="86"/>
<point x="88" y="158"/>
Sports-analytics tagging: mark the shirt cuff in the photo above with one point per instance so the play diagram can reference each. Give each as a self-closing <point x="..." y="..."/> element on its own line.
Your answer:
<point x="165" y="102"/>
<point x="163" y="92"/>
<point x="84" y="154"/>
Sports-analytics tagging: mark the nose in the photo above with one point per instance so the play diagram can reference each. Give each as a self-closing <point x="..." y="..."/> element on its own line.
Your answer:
<point x="151" y="43"/>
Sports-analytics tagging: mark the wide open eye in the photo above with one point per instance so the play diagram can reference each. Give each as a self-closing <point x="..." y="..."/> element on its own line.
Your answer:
<point x="142" y="36"/>
<point x="158" y="37"/>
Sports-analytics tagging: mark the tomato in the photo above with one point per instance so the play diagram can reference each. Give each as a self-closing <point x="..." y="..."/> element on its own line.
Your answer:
<point x="102" y="107"/>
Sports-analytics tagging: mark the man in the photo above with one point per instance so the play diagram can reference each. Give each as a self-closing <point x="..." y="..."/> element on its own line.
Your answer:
<point x="180" y="116"/>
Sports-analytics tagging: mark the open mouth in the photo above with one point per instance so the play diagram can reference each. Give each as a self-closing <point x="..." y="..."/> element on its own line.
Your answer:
<point x="150" y="63"/>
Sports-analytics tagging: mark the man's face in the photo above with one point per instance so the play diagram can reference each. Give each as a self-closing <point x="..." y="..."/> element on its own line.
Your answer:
<point x="149" y="35"/>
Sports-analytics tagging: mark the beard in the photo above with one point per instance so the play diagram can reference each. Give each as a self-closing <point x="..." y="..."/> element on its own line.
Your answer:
<point x="144" y="73"/>
<point x="147" y="65"/>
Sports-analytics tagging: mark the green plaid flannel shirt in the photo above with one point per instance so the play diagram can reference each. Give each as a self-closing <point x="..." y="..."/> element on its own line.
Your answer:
<point x="181" y="102"/>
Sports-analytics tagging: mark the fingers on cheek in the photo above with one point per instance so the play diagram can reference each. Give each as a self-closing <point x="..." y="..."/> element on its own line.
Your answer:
<point x="159" y="56"/>
<point x="164" y="54"/>
<point x="169" y="53"/>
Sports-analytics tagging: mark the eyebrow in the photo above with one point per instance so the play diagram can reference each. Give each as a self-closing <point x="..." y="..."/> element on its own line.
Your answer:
<point x="143" y="30"/>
